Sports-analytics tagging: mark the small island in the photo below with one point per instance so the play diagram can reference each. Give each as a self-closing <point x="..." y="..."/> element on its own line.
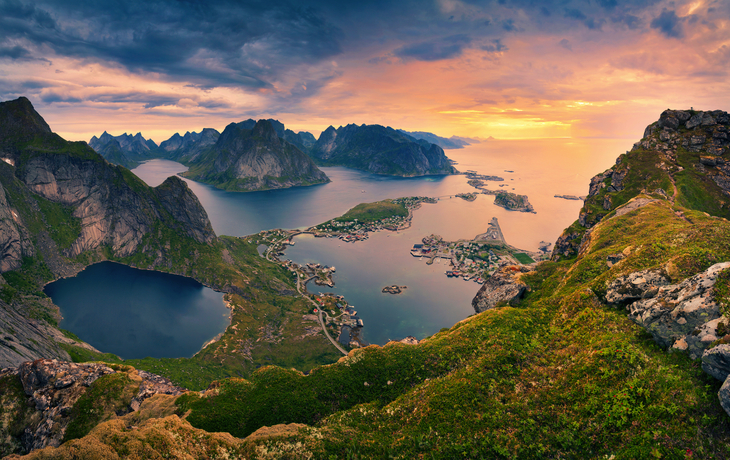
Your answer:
<point x="467" y="196"/>
<point x="571" y="197"/>
<point x="513" y="202"/>
<point x="394" y="289"/>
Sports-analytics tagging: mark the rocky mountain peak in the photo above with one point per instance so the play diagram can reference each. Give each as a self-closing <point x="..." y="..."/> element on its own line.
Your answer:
<point x="265" y="129"/>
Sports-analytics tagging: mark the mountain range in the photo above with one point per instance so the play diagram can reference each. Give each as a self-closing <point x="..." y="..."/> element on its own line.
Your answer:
<point x="372" y="148"/>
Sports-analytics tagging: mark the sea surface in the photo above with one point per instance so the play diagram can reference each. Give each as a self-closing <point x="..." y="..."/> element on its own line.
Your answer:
<point x="137" y="313"/>
<point x="538" y="168"/>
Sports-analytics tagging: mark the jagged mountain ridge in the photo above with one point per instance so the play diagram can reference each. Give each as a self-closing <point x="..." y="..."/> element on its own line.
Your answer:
<point x="125" y="150"/>
<point x="379" y="150"/>
<point x="244" y="159"/>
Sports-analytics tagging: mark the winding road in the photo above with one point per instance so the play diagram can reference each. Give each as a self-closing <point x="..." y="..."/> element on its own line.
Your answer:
<point x="299" y="289"/>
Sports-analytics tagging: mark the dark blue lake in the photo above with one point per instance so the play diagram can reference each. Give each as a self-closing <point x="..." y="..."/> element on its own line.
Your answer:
<point x="138" y="313"/>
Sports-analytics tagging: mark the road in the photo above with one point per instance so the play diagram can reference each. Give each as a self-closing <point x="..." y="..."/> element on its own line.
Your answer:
<point x="299" y="289"/>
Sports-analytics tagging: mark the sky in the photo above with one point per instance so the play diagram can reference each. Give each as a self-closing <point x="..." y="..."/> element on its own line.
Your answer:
<point x="507" y="69"/>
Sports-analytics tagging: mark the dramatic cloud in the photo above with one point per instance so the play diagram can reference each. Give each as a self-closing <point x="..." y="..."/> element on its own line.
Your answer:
<point x="446" y="48"/>
<point x="507" y="68"/>
<point x="668" y="23"/>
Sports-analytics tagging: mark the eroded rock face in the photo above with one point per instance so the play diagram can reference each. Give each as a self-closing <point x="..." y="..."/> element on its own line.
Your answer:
<point x="504" y="286"/>
<point x="677" y="311"/>
<point x="111" y="211"/>
<point x="53" y="387"/>
<point x="14" y="241"/>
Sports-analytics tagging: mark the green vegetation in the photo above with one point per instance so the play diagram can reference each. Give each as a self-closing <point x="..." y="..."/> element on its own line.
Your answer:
<point x="14" y="415"/>
<point x="523" y="258"/>
<point x="63" y="227"/>
<point x="109" y="394"/>
<point x="562" y="376"/>
<point x="372" y="212"/>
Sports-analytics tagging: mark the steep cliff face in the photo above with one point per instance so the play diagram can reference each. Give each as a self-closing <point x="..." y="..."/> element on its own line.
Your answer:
<point x="115" y="208"/>
<point x="380" y="150"/>
<point x="254" y="159"/>
<point x="14" y="240"/>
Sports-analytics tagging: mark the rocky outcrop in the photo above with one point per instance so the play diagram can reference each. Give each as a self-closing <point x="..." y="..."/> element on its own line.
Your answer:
<point x="683" y="317"/>
<point x="639" y="285"/>
<point x="716" y="361"/>
<point x="503" y="287"/>
<point x="675" y="314"/>
<point x="54" y="387"/>
<point x="254" y="159"/>
<point x="380" y="150"/>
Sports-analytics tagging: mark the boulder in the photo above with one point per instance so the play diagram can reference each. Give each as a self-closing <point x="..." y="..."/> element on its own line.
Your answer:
<point x="724" y="395"/>
<point x="716" y="361"/>
<point x="678" y="313"/>
<point x="503" y="287"/>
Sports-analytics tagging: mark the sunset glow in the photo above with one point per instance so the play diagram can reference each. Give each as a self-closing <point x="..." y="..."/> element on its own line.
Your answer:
<point x="466" y="68"/>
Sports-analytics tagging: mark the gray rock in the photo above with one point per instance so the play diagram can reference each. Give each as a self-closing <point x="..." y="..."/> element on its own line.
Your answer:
<point x="14" y="240"/>
<point x="701" y="337"/>
<point x="676" y="311"/>
<point x="716" y="361"/>
<point x="613" y="259"/>
<point x="724" y="395"/>
<point x="694" y="122"/>
<point x="504" y="286"/>
<point x="53" y="387"/>
<point x="639" y="285"/>
<point x="697" y="140"/>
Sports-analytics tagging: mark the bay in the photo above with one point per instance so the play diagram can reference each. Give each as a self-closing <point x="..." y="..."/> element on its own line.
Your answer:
<point x="538" y="168"/>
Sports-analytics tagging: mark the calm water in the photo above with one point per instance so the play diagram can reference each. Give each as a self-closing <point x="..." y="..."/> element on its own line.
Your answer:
<point x="136" y="313"/>
<point x="540" y="170"/>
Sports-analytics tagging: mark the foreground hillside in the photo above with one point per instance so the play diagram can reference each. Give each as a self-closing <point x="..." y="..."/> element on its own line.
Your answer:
<point x="562" y="372"/>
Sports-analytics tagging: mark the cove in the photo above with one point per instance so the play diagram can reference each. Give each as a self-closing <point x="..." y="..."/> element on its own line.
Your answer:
<point x="139" y="313"/>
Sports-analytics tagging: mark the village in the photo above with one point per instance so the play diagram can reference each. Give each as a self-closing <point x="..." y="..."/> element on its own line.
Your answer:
<point x="475" y="260"/>
<point x="471" y="260"/>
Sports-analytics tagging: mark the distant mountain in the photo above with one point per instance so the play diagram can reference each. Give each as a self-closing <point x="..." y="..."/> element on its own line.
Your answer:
<point x="125" y="150"/>
<point x="380" y="150"/>
<point x="453" y="142"/>
<point x="256" y="158"/>
<point x="187" y="148"/>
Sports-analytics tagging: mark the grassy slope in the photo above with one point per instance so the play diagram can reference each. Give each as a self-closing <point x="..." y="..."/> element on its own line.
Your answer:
<point x="561" y="376"/>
